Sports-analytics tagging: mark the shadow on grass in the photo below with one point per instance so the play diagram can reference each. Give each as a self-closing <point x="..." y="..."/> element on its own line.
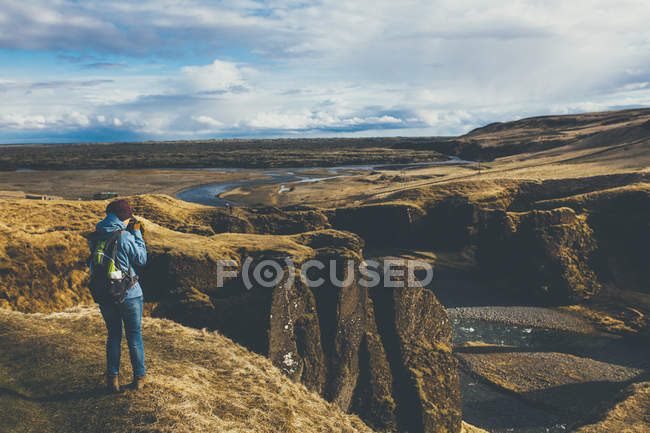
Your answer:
<point x="65" y="396"/>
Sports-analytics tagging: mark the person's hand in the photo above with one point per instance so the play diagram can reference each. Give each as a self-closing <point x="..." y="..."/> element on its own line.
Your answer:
<point x="139" y="225"/>
<point x="136" y="225"/>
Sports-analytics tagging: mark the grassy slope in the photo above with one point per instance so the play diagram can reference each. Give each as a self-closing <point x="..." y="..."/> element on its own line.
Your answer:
<point x="51" y="380"/>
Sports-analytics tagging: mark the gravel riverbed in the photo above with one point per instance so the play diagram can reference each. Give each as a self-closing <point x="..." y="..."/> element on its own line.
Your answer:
<point x="538" y="317"/>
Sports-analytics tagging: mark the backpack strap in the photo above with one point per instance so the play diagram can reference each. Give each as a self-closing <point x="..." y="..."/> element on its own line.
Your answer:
<point x="127" y="274"/>
<point x="112" y="242"/>
<point x="96" y="239"/>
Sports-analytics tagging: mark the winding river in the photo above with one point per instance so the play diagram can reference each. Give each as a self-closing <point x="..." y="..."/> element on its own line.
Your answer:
<point x="209" y="194"/>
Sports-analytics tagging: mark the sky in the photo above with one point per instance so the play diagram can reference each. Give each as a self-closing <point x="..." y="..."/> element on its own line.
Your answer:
<point x="104" y="70"/>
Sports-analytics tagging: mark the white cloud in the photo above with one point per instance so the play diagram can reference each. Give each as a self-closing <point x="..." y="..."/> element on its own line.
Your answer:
<point x="78" y="118"/>
<point x="319" y="120"/>
<point x="278" y="120"/>
<point x="445" y="117"/>
<point x="19" y="122"/>
<point x="209" y="121"/>
<point x="218" y="76"/>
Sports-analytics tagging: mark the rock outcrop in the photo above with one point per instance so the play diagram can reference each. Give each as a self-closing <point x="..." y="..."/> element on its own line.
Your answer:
<point x="380" y="352"/>
<point x="546" y="253"/>
<point x="416" y="334"/>
<point x="379" y="224"/>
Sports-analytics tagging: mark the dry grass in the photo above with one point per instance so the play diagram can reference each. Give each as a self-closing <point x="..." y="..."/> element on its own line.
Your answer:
<point x="566" y="162"/>
<point x="198" y="381"/>
<point x="468" y="428"/>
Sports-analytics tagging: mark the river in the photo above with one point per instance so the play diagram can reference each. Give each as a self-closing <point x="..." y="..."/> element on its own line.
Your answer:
<point x="209" y="194"/>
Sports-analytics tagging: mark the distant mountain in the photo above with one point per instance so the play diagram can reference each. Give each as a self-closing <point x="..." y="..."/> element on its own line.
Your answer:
<point x="545" y="132"/>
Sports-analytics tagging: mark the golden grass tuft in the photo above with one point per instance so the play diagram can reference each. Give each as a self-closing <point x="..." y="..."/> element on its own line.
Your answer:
<point x="468" y="428"/>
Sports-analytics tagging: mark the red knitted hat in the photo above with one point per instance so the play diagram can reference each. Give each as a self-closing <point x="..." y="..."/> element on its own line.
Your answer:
<point x="121" y="208"/>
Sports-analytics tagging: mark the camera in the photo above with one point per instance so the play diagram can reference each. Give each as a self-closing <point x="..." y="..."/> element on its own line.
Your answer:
<point x="134" y="224"/>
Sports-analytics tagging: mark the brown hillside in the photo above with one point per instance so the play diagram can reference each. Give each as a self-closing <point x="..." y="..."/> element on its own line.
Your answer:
<point x="52" y="380"/>
<point x="536" y="134"/>
<point x="562" y="128"/>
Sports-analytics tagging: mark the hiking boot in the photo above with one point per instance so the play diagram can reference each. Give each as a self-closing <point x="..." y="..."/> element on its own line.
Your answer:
<point x="138" y="382"/>
<point x="113" y="382"/>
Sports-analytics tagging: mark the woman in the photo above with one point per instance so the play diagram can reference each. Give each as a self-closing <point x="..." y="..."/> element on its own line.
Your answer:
<point x="131" y="250"/>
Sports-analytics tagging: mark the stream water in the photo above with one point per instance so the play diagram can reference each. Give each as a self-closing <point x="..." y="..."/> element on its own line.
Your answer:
<point x="209" y="194"/>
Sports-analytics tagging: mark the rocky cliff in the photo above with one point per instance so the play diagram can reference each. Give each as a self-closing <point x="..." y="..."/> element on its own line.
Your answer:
<point x="382" y="353"/>
<point x="552" y="242"/>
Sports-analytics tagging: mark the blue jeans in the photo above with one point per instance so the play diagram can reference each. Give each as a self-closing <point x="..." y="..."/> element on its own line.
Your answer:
<point x="129" y="312"/>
